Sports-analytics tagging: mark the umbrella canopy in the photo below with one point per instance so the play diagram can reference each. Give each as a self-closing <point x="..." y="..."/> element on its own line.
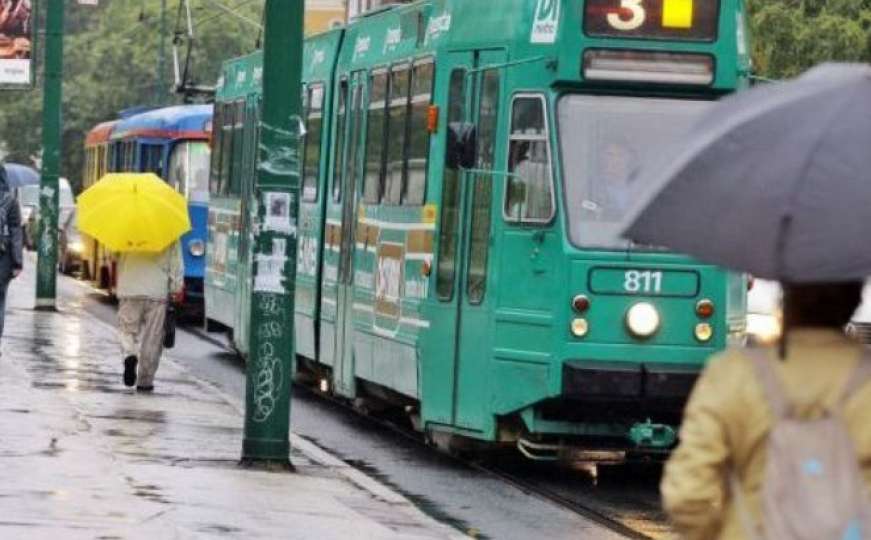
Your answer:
<point x="775" y="181"/>
<point x="133" y="213"/>
<point x="20" y="175"/>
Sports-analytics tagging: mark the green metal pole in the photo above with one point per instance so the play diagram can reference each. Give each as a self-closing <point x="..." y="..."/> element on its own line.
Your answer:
<point x="46" y="282"/>
<point x="161" y="62"/>
<point x="276" y="198"/>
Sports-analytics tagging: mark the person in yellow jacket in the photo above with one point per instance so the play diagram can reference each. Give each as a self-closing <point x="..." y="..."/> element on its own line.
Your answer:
<point x="727" y="418"/>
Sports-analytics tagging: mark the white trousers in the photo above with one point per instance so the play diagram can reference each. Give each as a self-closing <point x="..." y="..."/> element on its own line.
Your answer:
<point x="140" y="321"/>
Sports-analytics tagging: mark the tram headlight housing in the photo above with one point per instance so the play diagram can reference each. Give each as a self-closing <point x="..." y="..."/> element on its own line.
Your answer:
<point x="704" y="332"/>
<point x="643" y="320"/>
<point x="580" y="327"/>
<point x="197" y="248"/>
<point x="77" y="246"/>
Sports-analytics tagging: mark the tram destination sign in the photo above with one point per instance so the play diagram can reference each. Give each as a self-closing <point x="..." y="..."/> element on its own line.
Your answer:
<point x="693" y="20"/>
<point x="17" y="18"/>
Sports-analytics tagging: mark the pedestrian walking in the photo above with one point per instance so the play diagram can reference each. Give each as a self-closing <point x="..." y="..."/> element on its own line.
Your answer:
<point x="11" y="241"/>
<point x="780" y="448"/>
<point x="146" y="283"/>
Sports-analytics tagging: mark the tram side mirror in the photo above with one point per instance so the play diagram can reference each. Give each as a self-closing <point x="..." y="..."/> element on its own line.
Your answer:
<point x="462" y="146"/>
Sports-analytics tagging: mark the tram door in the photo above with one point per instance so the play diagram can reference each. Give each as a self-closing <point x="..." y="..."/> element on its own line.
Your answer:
<point x="473" y="200"/>
<point x="343" y="366"/>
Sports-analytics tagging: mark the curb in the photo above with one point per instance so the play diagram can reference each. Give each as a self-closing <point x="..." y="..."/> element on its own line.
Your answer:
<point x="312" y="451"/>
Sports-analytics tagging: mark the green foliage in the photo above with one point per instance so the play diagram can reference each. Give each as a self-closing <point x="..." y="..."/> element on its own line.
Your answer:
<point x="789" y="36"/>
<point x="111" y="59"/>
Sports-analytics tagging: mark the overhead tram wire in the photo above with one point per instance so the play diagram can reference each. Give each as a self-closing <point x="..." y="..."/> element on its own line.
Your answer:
<point x="234" y="12"/>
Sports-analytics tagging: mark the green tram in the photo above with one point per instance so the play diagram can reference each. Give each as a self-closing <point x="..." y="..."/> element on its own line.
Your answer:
<point x="466" y="169"/>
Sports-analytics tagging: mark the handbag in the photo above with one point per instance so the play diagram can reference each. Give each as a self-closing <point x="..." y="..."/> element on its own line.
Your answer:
<point x="169" y="324"/>
<point x="171" y="319"/>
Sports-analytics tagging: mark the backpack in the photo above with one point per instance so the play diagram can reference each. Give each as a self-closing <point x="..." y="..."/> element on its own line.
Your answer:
<point x="813" y="487"/>
<point x="7" y="199"/>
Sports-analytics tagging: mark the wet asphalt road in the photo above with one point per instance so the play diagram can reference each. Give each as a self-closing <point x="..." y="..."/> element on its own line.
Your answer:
<point x="471" y="499"/>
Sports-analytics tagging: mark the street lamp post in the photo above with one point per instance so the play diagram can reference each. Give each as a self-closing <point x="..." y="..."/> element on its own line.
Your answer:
<point x="276" y="198"/>
<point x="52" y="122"/>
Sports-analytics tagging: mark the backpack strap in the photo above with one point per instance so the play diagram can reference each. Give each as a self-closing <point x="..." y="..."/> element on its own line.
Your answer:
<point x="763" y="366"/>
<point x="859" y="377"/>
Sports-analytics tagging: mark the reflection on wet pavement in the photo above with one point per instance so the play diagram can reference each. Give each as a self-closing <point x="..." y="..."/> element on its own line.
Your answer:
<point x="81" y="456"/>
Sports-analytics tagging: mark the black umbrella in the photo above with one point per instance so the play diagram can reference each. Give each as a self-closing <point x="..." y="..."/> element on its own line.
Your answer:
<point x="20" y="175"/>
<point x="775" y="181"/>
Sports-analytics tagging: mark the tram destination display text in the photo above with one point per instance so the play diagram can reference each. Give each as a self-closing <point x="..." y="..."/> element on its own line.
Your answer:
<point x="693" y="20"/>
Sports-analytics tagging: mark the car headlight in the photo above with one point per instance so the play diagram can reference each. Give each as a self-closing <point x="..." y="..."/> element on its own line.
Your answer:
<point x="763" y="328"/>
<point x="197" y="248"/>
<point x="643" y="320"/>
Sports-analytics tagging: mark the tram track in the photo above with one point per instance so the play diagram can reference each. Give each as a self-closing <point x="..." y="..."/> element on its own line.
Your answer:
<point x="644" y="522"/>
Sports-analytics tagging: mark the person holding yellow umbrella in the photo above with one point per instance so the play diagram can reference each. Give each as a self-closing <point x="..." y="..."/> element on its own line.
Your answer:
<point x="141" y="218"/>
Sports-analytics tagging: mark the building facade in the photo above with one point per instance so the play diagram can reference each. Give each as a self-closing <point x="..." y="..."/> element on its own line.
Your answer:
<point x="356" y="7"/>
<point x="321" y="15"/>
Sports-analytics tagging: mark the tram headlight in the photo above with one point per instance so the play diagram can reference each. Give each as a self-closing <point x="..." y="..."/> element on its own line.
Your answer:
<point x="197" y="248"/>
<point x="643" y="320"/>
<point x="704" y="332"/>
<point x="580" y="327"/>
<point x="77" y="246"/>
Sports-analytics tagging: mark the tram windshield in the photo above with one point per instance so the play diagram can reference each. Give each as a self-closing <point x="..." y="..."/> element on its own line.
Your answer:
<point x="189" y="169"/>
<point x="604" y="139"/>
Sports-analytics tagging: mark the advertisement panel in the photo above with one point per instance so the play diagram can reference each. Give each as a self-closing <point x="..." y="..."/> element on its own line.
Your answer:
<point x="17" y="18"/>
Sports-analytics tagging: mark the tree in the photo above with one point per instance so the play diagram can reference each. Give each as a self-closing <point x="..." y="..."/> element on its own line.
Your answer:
<point x="790" y="36"/>
<point x="111" y="64"/>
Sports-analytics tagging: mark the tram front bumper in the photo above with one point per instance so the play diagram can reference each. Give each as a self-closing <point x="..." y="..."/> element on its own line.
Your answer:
<point x="596" y="380"/>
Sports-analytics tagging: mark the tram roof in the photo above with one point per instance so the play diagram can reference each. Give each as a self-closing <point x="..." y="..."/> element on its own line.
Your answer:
<point x="178" y="122"/>
<point x="100" y="133"/>
<point x="550" y="39"/>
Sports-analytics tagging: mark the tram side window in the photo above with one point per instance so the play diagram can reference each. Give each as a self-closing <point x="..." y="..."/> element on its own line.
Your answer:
<point x="227" y="148"/>
<point x="376" y="124"/>
<point x="488" y="115"/>
<point x="529" y="190"/>
<point x="152" y="159"/>
<point x="217" y="142"/>
<point x="397" y="132"/>
<point x="341" y="115"/>
<point x="449" y="231"/>
<point x="234" y="182"/>
<point x="313" y="141"/>
<point x="418" y="140"/>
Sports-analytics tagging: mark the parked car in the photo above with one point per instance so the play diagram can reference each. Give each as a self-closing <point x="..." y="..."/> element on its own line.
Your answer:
<point x="28" y="197"/>
<point x="860" y="328"/>
<point x="765" y="314"/>
<point x="71" y="246"/>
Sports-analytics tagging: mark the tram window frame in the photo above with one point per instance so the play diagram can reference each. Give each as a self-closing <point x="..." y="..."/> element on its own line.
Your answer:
<point x="481" y="206"/>
<point x="397" y="112"/>
<point x="217" y="142"/>
<point x="357" y="109"/>
<point x="373" y="183"/>
<point x="311" y="191"/>
<point x="343" y="107"/>
<point x="528" y="138"/>
<point x="427" y="99"/>
<point x="449" y="220"/>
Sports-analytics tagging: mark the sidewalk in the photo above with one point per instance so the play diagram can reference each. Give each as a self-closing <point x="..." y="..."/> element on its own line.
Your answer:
<point x="81" y="456"/>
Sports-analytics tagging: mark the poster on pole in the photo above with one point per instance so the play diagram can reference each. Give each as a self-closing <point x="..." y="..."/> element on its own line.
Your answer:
<point x="17" y="18"/>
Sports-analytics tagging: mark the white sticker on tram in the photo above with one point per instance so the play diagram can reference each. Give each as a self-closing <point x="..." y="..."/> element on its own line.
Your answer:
<point x="391" y="226"/>
<point x="545" y="25"/>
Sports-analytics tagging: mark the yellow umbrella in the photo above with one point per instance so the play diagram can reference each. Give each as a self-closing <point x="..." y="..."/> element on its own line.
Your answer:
<point x="129" y="212"/>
